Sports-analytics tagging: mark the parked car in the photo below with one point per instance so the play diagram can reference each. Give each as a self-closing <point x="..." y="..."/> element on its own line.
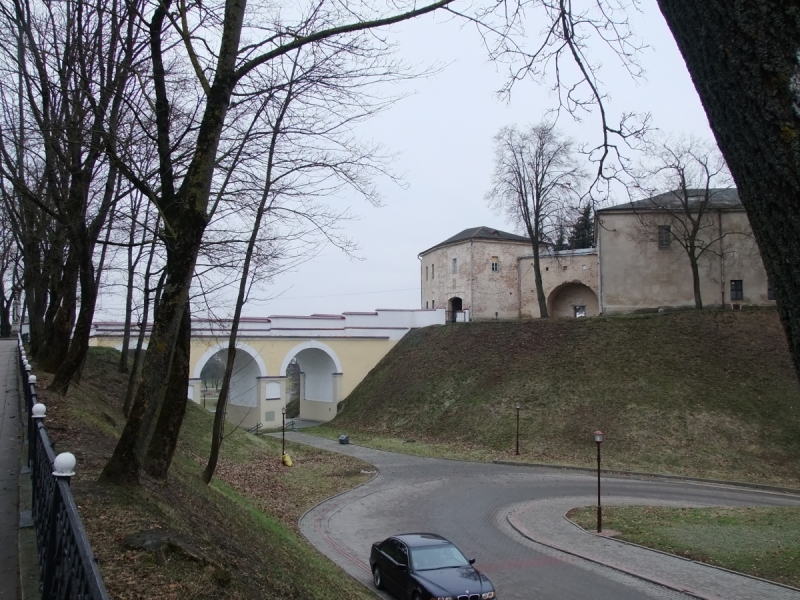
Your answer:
<point x="425" y="566"/>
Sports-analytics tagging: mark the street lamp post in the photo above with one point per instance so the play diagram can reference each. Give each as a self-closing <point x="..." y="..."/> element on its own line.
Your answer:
<point x="283" y="430"/>
<point x="517" y="428"/>
<point x="598" y="438"/>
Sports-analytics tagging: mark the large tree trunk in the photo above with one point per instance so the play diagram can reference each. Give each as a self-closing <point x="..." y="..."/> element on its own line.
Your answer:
<point x="123" y="468"/>
<point x="63" y="303"/>
<point x="743" y="59"/>
<point x="698" y="298"/>
<point x="79" y="345"/>
<point x="537" y="276"/>
<point x="165" y="437"/>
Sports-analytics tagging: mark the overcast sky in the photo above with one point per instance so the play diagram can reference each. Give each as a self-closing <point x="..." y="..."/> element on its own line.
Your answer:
<point x="444" y="134"/>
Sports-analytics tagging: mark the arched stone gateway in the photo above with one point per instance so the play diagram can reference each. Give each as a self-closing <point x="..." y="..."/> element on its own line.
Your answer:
<point x="573" y="299"/>
<point x="243" y="396"/>
<point x="320" y="379"/>
<point x="455" y="310"/>
<point x="333" y="352"/>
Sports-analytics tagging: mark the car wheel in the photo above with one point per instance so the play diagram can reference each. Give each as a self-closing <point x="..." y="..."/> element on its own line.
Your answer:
<point x="376" y="577"/>
<point x="417" y="596"/>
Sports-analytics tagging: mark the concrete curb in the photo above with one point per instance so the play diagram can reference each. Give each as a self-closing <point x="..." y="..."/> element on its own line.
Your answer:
<point x="698" y="562"/>
<point x="519" y="528"/>
<point x="644" y="475"/>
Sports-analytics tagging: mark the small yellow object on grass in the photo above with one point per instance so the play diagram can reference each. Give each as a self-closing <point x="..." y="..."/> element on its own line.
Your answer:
<point x="287" y="460"/>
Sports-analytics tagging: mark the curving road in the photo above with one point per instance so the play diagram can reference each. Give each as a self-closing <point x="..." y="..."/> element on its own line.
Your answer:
<point x="484" y="507"/>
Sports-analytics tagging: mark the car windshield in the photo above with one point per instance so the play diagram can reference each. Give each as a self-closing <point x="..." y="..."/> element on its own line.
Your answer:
<point x="437" y="557"/>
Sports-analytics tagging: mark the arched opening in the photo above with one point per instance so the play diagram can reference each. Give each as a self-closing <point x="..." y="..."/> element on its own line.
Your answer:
<point x="244" y="380"/>
<point x="313" y="373"/>
<point x="455" y="311"/>
<point x="317" y="370"/>
<point x="573" y="300"/>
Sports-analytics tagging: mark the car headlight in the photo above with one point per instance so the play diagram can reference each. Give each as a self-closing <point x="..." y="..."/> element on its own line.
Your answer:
<point x="487" y="595"/>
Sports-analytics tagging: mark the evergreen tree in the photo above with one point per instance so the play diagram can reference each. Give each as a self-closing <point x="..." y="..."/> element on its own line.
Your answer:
<point x="561" y="237"/>
<point x="582" y="230"/>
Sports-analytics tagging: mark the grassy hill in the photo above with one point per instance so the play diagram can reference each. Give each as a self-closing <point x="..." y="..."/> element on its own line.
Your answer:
<point x="709" y="393"/>
<point x="244" y="524"/>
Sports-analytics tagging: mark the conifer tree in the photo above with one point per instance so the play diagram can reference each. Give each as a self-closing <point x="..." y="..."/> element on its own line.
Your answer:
<point x="582" y="231"/>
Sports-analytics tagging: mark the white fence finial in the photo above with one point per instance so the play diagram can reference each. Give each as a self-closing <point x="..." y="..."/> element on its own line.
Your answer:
<point x="64" y="465"/>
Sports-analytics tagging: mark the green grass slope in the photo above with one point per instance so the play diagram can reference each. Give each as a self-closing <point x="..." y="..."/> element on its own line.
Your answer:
<point x="244" y="523"/>
<point x="707" y="393"/>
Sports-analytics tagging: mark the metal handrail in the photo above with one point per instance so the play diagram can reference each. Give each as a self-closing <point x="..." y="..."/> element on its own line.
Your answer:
<point x="67" y="566"/>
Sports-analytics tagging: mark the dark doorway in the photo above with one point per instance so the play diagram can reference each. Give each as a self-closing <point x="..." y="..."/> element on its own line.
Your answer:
<point x="455" y="310"/>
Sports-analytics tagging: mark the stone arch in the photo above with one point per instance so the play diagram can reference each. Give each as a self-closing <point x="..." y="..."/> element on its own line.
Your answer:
<point x="455" y="306"/>
<point x="564" y="299"/>
<point x="262" y="368"/>
<point x="248" y="366"/>
<point x="306" y="346"/>
<point x="320" y="379"/>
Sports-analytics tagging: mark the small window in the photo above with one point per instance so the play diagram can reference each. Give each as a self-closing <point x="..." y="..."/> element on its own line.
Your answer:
<point x="433" y="272"/>
<point x="433" y="303"/>
<point x="495" y="264"/>
<point x="269" y="415"/>
<point x="580" y="311"/>
<point x="455" y="266"/>
<point x="664" y="236"/>
<point x="737" y="289"/>
<point x="426" y="304"/>
<point x="426" y="273"/>
<point x="770" y="291"/>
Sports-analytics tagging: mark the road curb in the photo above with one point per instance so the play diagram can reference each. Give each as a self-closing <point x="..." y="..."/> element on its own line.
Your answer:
<point x="698" y="562"/>
<point x="523" y="531"/>
<point x="644" y="475"/>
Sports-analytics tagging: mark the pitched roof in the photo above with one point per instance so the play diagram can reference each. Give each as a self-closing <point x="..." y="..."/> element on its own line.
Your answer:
<point x="480" y="233"/>
<point x="718" y="198"/>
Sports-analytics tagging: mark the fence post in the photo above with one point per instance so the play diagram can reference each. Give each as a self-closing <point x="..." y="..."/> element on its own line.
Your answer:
<point x="63" y="466"/>
<point x="36" y="412"/>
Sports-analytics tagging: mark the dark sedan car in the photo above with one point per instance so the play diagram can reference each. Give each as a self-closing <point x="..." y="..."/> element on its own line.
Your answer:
<point x="425" y="566"/>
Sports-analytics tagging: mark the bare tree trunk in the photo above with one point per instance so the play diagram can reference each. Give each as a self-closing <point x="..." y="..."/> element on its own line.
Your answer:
<point x="537" y="276"/>
<point x="742" y="57"/>
<point x="698" y="299"/>
<point x="222" y="402"/>
<point x="63" y="320"/>
<point x="125" y="462"/>
<point x="137" y="355"/>
<point x="98" y="276"/>
<point x="165" y="436"/>
<point x="132" y="264"/>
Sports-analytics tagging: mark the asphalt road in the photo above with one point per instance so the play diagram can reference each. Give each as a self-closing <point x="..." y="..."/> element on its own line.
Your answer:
<point x="469" y="503"/>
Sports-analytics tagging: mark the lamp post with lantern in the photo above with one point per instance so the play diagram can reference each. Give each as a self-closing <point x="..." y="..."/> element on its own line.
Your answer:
<point x="598" y="438"/>
<point x="517" y="428"/>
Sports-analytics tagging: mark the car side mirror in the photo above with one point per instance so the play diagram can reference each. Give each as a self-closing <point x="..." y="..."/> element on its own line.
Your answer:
<point x="472" y="561"/>
<point x="402" y="567"/>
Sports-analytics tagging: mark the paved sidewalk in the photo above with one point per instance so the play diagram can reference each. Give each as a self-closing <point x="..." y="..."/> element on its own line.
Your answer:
<point x="10" y="444"/>
<point x="543" y="521"/>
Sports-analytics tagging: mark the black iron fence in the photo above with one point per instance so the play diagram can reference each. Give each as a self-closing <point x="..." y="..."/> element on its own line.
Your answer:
<point x="67" y="566"/>
<point x="456" y="316"/>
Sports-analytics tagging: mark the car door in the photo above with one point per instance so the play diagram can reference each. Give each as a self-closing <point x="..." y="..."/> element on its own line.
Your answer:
<point x="404" y="582"/>
<point x="396" y="570"/>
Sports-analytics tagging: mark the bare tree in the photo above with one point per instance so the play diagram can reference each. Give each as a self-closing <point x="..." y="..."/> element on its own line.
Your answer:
<point x="743" y="60"/>
<point x="536" y="181"/>
<point x="10" y="275"/>
<point x="182" y="195"/>
<point x="696" y="179"/>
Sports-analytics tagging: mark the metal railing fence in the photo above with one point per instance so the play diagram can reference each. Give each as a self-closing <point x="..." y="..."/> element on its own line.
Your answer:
<point x="67" y="566"/>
